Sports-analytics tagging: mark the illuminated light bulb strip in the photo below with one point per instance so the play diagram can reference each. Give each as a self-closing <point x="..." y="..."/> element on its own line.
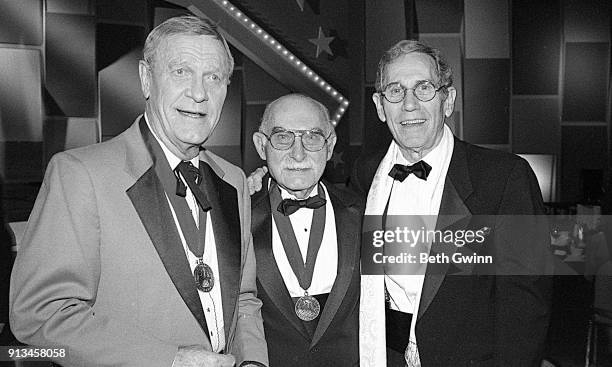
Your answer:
<point x="293" y="60"/>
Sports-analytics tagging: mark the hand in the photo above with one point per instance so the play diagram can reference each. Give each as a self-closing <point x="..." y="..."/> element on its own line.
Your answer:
<point x="197" y="356"/>
<point x="255" y="178"/>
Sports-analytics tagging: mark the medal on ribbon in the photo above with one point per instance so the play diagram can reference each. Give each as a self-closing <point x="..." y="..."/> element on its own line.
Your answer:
<point x="307" y="308"/>
<point x="204" y="276"/>
<point x="194" y="236"/>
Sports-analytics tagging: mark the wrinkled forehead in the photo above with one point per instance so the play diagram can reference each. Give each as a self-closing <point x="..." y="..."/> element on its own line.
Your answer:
<point x="411" y="67"/>
<point x="191" y="46"/>
<point x="298" y="114"/>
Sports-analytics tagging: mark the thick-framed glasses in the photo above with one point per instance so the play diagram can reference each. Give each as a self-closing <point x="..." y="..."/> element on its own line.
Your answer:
<point x="312" y="140"/>
<point x="424" y="91"/>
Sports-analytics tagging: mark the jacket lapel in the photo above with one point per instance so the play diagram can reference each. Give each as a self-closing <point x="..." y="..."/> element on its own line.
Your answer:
<point x="226" y="228"/>
<point x="453" y="214"/>
<point x="348" y="227"/>
<point x="149" y="200"/>
<point x="268" y="274"/>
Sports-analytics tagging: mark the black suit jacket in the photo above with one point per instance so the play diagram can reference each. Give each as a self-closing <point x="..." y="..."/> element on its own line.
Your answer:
<point x="335" y="341"/>
<point x="482" y="319"/>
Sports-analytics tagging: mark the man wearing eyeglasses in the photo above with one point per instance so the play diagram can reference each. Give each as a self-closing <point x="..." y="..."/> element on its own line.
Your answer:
<point x="451" y="314"/>
<point x="306" y="239"/>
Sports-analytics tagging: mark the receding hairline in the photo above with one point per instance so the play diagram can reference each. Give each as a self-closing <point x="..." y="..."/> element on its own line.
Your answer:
<point x="432" y="64"/>
<point x="273" y="106"/>
<point x="441" y="68"/>
<point x="185" y="25"/>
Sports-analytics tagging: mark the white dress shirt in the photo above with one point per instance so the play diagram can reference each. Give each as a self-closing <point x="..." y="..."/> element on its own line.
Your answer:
<point x="414" y="196"/>
<point x="211" y="301"/>
<point x="326" y="264"/>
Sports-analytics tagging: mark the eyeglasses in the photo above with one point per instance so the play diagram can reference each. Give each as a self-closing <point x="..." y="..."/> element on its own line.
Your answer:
<point x="424" y="91"/>
<point x="312" y="140"/>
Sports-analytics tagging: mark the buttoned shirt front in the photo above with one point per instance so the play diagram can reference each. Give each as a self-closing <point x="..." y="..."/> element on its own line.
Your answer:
<point x="211" y="301"/>
<point x="326" y="264"/>
<point x="415" y="196"/>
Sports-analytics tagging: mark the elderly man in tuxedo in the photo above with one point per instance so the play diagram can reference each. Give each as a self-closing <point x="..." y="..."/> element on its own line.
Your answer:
<point x="306" y="239"/>
<point x="138" y="251"/>
<point x="450" y="314"/>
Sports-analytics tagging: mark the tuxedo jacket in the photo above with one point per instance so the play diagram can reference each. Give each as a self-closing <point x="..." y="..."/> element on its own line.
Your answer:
<point x="102" y="270"/>
<point x="335" y="341"/>
<point x="467" y="316"/>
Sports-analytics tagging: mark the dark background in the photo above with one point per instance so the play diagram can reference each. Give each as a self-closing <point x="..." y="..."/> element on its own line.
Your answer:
<point x="533" y="77"/>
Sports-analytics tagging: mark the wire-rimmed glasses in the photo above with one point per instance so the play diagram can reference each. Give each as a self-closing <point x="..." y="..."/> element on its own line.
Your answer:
<point x="312" y="140"/>
<point x="424" y="91"/>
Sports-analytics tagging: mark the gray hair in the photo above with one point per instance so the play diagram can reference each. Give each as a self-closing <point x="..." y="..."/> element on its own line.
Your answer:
<point x="404" y="47"/>
<point x="268" y="117"/>
<point x="185" y="24"/>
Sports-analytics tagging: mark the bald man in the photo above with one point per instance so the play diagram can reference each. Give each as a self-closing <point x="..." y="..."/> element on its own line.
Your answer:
<point x="306" y="238"/>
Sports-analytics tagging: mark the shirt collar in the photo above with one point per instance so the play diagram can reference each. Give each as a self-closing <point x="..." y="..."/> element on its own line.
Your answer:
<point x="172" y="159"/>
<point x="437" y="158"/>
<point x="286" y="195"/>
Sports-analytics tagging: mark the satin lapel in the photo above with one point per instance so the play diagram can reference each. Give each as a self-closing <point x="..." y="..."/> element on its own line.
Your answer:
<point x="149" y="200"/>
<point x="348" y="220"/>
<point x="268" y="274"/>
<point x="226" y="228"/>
<point x="453" y="214"/>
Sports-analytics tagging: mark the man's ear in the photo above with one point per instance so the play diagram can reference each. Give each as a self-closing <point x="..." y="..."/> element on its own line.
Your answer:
<point x="380" y="110"/>
<point x="449" y="102"/>
<point x="260" y="141"/>
<point x="331" y="143"/>
<point x="144" y="71"/>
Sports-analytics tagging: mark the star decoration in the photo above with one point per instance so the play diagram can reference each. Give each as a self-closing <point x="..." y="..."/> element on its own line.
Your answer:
<point x="322" y="43"/>
<point x="336" y="159"/>
<point x="300" y="4"/>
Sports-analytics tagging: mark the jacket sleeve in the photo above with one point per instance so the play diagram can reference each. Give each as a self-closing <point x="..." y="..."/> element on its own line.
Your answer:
<point x="249" y="342"/>
<point x="523" y="288"/>
<point x="56" y="275"/>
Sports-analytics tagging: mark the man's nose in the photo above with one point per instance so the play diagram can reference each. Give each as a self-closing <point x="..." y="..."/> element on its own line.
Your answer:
<point x="197" y="90"/>
<point x="410" y="102"/>
<point x="297" y="150"/>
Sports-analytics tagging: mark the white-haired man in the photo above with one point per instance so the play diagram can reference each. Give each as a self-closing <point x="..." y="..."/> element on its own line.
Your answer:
<point x="138" y="251"/>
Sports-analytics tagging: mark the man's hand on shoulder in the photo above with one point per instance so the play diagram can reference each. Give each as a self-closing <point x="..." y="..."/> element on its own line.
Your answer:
<point x="255" y="178"/>
<point x="197" y="356"/>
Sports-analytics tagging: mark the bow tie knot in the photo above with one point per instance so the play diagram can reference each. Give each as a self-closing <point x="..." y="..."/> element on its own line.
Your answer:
<point x="290" y="206"/>
<point x="420" y="169"/>
<point x="191" y="175"/>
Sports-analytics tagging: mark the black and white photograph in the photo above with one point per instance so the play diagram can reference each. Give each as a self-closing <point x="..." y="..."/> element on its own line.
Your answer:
<point x="283" y="183"/>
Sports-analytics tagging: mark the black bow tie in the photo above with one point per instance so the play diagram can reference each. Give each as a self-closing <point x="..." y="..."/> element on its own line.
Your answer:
<point x="190" y="173"/>
<point x="290" y="206"/>
<point x="193" y="177"/>
<point x="420" y="169"/>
